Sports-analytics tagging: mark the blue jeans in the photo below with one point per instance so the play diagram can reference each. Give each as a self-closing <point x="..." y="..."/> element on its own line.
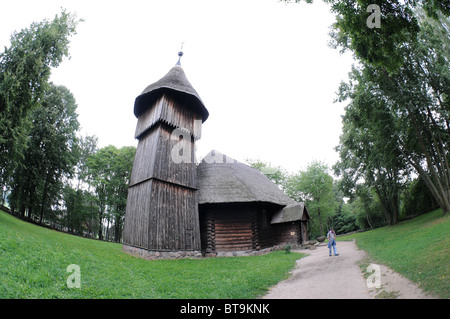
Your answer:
<point x="332" y="244"/>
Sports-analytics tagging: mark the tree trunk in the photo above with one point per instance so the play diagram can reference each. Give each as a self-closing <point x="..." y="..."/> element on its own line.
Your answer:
<point x="44" y="198"/>
<point x="320" y="222"/>
<point x="100" y="218"/>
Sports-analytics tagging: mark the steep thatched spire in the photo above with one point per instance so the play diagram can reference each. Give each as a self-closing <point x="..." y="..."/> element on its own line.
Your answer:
<point x="175" y="83"/>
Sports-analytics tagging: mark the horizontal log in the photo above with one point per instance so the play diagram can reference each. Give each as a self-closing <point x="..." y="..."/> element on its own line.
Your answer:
<point x="231" y="248"/>
<point x="234" y="231"/>
<point x="233" y="236"/>
<point x="226" y="226"/>
<point x="234" y="242"/>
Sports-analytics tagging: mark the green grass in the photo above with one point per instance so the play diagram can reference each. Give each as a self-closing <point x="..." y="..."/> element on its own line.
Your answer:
<point x="33" y="263"/>
<point x="419" y="249"/>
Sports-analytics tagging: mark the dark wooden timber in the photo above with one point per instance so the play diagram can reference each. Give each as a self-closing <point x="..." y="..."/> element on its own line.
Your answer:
<point x="162" y="206"/>
<point x="244" y="227"/>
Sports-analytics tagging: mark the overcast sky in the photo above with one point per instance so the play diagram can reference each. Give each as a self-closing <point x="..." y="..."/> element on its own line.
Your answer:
<point x="263" y="69"/>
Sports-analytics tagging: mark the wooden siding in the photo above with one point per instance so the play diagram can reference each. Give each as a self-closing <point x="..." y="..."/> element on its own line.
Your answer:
<point x="287" y="233"/>
<point x="162" y="216"/>
<point x="162" y="207"/>
<point x="167" y="110"/>
<point x="154" y="159"/>
<point x="137" y="215"/>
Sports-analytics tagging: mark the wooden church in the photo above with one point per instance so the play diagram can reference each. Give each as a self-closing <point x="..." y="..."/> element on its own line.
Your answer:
<point x="178" y="209"/>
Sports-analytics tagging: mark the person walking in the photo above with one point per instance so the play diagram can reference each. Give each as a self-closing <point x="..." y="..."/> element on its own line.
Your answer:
<point x="332" y="241"/>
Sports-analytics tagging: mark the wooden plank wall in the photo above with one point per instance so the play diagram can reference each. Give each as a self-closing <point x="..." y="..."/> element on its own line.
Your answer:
<point x="136" y="225"/>
<point x="162" y="216"/>
<point x="154" y="158"/>
<point x="167" y="110"/>
<point x="162" y="209"/>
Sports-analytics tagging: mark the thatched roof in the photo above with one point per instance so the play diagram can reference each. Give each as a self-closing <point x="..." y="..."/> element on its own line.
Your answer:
<point x="221" y="179"/>
<point x="175" y="83"/>
<point x="290" y="213"/>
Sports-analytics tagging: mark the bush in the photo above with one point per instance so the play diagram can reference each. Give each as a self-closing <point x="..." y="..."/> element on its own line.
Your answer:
<point x="416" y="199"/>
<point x="287" y="249"/>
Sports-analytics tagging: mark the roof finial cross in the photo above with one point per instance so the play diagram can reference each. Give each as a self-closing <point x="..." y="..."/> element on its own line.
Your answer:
<point x="180" y="54"/>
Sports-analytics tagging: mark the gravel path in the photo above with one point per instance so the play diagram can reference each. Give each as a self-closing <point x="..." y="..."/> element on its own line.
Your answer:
<point x="319" y="276"/>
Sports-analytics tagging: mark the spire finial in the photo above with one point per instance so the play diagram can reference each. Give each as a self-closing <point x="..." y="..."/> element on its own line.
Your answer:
<point x="180" y="54"/>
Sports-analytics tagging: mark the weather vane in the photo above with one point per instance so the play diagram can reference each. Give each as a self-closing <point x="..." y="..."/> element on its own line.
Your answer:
<point x="180" y="54"/>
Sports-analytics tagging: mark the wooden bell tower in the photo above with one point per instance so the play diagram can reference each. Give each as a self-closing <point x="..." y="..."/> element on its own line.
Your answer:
<point x="162" y="208"/>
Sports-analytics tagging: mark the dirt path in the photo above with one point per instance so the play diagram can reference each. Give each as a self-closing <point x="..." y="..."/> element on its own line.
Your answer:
<point x="319" y="276"/>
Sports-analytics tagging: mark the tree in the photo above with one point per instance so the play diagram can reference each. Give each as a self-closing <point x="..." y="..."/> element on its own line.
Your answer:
<point x="368" y="153"/>
<point x="24" y="72"/>
<point x="367" y="208"/>
<point x="414" y="103"/>
<point x="315" y="186"/>
<point x="110" y="170"/>
<point x="79" y="213"/>
<point x="51" y="153"/>
<point x="276" y="174"/>
<point x="381" y="46"/>
<point x="406" y="62"/>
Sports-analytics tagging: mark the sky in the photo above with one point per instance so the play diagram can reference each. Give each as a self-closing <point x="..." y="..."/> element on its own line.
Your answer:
<point x="263" y="69"/>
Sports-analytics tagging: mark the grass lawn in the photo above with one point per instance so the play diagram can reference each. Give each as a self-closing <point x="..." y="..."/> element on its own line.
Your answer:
<point x="419" y="249"/>
<point x="34" y="261"/>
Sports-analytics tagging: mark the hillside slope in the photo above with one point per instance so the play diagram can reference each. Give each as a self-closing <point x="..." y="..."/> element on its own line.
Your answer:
<point x="419" y="249"/>
<point x="34" y="263"/>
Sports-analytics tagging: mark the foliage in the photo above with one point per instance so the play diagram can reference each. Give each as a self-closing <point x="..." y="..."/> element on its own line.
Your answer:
<point x="367" y="209"/>
<point x="399" y="121"/>
<point x="418" y="249"/>
<point x="315" y="186"/>
<point x="109" y="172"/>
<point x="416" y="199"/>
<point x="399" y="114"/>
<point x="277" y="174"/>
<point x="344" y="221"/>
<point x="33" y="263"/>
<point x="287" y="249"/>
<point x="40" y="154"/>
<point x="380" y="47"/>
<point x="50" y="155"/>
<point x="367" y="151"/>
<point x="24" y="72"/>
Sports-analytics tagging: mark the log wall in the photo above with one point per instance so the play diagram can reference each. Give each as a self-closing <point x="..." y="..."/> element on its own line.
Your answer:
<point x="287" y="233"/>
<point x="236" y="227"/>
